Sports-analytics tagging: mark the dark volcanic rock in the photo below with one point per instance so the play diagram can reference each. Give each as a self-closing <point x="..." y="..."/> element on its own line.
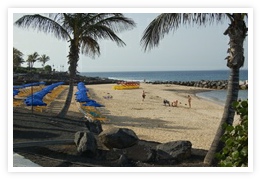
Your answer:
<point x="118" y="138"/>
<point x="94" y="126"/>
<point x="86" y="143"/>
<point x="174" y="150"/>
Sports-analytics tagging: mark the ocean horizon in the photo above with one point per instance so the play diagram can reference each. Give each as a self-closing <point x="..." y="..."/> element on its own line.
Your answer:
<point x="217" y="96"/>
<point x="150" y="76"/>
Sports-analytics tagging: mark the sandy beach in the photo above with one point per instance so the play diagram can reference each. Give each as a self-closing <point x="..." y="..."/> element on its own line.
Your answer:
<point x="150" y="119"/>
<point x="153" y="121"/>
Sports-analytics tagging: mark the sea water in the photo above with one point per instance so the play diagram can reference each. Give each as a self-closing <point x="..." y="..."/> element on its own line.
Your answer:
<point x="218" y="96"/>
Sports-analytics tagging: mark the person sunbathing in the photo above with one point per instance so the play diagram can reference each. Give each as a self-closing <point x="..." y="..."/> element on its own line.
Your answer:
<point x="166" y="102"/>
<point x="108" y="96"/>
<point x="175" y="103"/>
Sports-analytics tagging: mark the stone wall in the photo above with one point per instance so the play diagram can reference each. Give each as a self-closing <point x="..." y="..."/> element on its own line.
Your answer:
<point x="218" y="84"/>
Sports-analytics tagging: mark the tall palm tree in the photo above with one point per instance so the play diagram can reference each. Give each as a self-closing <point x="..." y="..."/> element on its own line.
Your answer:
<point x="82" y="31"/>
<point x="32" y="58"/>
<point x="43" y="59"/>
<point x="17" y="58"/>
<point x="237" y="31"/>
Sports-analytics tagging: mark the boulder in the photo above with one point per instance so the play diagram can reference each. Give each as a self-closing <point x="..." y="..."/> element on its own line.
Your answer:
<point x="143" y="151"/>
<point x="86" y="143"/>
<point x="94" y="126"/>
<point x="77" y="137"/>
<point x="122" y="161"/>
<point x="174" y="150"/>
<point x="118" y="138"/>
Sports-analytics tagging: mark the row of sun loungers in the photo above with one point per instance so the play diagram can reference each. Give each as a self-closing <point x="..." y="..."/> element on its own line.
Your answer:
<point x="38" y="95"/>
<point x="87" y="105"/>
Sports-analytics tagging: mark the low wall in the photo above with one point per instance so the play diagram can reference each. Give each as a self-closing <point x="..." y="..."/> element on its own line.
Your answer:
<point x="218" y="84"/>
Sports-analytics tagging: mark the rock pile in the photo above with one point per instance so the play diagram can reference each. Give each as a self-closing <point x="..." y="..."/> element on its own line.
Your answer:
<point x="218" y="84"/>
<point x="122" y="147"/>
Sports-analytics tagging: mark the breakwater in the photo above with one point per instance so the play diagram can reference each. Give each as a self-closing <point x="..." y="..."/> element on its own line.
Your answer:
<point x="218" y="84"/>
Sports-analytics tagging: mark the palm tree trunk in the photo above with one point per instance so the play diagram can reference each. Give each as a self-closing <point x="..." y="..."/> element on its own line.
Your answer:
<point x="228" y="116"/>
<point x="68" y="100"/>
<point x="73" y="59"/>
<point x="237" y="31"/>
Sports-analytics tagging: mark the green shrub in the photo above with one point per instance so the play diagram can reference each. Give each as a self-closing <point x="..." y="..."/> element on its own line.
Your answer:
<point x="48" y="69"/>
<point x="235" y="151"/>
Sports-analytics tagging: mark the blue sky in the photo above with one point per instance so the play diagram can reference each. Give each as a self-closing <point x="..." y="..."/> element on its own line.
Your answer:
<point x="188" y="48"/>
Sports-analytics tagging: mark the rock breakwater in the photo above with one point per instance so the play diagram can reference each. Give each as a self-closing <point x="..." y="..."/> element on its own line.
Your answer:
<point x="217" y="84"/>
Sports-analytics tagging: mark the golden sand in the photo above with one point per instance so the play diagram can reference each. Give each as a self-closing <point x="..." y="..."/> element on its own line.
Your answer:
<point x="153" y="121"/>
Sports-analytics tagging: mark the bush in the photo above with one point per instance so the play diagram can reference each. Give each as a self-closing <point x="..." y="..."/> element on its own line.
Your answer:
<point x="235" y="151"/>
<point x="48" y="69"/>
<point x="20" y="70"/>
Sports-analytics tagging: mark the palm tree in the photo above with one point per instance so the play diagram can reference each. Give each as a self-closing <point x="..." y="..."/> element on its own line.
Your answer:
<point x="82" y="31"/>
<point x="17" y="58"/>
<point x="32" y="58"/>
<point x="43" y="59"/>
<point x="237" y="31"/>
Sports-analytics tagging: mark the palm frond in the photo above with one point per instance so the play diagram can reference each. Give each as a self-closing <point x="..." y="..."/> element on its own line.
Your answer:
<point x="97" y="26"/>
<point x="16" y="52"/>
<point x="103" y="32"/>
<point x="44" y="58"/>
<point x="166" y="22"/>
<point x="117" y="22"/>
<point x="44" y="24"/>
<point x="90" y="46"/>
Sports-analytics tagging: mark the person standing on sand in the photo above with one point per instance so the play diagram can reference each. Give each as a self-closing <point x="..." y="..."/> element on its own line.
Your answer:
<point x="143" y="95"/>
<point x="189" y="101"/>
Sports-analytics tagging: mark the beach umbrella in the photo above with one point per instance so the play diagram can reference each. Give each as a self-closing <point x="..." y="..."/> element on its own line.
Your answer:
<point x="18" y="87"/>
<point x="81" y="87"/>
<point x="34" y="102"/>
<point x="81" y="92"/>
<point x="89" y="101"/>
<point x="94" y="104"/>
<point x="81" y="98"/>
<point x="41" y="83"/>
<point x="15" y="92"/>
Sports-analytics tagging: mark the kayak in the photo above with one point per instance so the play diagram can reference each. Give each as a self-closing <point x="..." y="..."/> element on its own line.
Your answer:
<point x="127" y="85"/>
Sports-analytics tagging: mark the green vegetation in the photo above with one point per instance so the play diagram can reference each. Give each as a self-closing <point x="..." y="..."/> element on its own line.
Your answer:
<point x="44" y="59"/>
<point x="31" y="59"/>
<point x="235" y="138"/>
<point x="44" y="70"/>
<point x="17" y="58"/>
<point x="48" y="69"/>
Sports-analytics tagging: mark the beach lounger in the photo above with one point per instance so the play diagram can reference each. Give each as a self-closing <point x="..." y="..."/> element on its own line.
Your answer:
<point x="93" y="113"/>
<point x="17" y="102"/>
<point x="39" y="108"/>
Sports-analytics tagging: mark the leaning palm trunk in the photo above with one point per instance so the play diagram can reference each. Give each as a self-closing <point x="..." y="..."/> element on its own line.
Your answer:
<point x="237" y="32"/>
<point x="73" y="59"/>
<point x="228" y="117"/>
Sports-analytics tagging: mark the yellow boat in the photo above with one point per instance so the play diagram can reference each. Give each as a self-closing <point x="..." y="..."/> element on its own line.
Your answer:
<point x="127" y="85"/>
